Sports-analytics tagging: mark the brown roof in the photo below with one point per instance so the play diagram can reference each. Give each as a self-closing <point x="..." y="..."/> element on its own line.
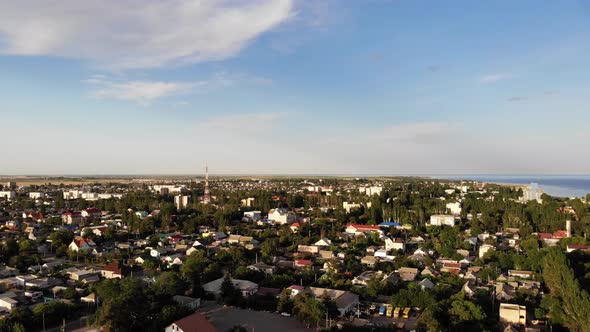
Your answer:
<point x="195" y="322"/>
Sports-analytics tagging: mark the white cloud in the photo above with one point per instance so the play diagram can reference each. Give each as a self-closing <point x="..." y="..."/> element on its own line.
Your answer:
<point x="491" y="78"/>
<point x="135" y="33"/>
<point x="145" y="92"/>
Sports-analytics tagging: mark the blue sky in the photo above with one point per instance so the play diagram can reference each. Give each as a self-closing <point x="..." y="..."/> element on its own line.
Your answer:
<point x="287" y="86"/>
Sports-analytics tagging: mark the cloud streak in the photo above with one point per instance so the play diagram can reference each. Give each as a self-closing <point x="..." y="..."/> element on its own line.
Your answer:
<point x="492" y="78"/>
<point x="130" y="34"/>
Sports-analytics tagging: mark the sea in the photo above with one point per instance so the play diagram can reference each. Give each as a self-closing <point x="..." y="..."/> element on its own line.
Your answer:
<point x="554" y="185"/>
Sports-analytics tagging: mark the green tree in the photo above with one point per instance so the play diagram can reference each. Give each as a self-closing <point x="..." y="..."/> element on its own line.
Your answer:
<point x="564" y="288"/>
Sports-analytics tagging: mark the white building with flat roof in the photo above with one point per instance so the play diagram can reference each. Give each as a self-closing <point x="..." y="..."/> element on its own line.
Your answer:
<point x="442" y="220"/>
<point x="455" y="208"/>
<point x="36" y="195"/>
<point x="8" y="194"/>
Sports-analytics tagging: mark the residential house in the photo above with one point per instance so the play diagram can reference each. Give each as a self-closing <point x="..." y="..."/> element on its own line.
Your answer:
<point x="345" y="301"/>
<point x="295" y="289"/>
<point x="194" y="322"/>
<point x="246" y="287"/>
<point x="324" y="242"/>
<point x="113" y="270"/>
<point x="91" y="213"/>
<point x="8" y="301"/>
<point x="262" y="267"/>
<point x="80" y="244"/>
<point x="408" y="273"/>
<point x="426" y="284"/>
<point x="520" y="274"/>
<point x="394" y="244"/>
<point x="71" y="218"/>
<point x="357" y="229"/>
<point x="303" y="264"/>
<point x="190" y="303"/>
<point x="281" y="216"/>
<point x="513" y="314"/>
<point x="253" y="215"/>
<point x="370" y="261"/>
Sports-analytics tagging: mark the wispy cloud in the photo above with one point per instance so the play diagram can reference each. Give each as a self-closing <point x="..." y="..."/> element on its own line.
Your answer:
<point x="144" y="92"/>
<point x="131" y="34"/>
<point x="517" y="98"/>
<point x="491" y="78"/>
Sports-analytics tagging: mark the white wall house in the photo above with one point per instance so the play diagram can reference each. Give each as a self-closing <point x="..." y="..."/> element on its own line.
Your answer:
<point x="394" y="244"/>
<point x="253" y="215"/>
<point x="281" y="216"/>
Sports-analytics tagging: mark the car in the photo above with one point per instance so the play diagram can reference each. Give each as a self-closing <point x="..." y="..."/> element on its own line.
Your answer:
<point x="286" y="314"/>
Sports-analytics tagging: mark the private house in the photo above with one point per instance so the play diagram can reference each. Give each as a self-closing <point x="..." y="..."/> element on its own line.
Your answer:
<point x="246" y="287"/>
<point x="8" y="301"/>
<point x="520" y="274"/>
<point x="80" y="244"/>
<point x="345" y="301"/>
<point x="71" y="218"/>
<point x="113" y="270"/>
<point x="574" y="247"/>
<point x="190" y="303"/>
<point x="426" y="284"/>
<point x="253" y="215"/>
<point x="513" y="314"/>
<point x="91" y="213"/>
<point x="394" y="244"/>
<point x="302" y="264"/>
<point x="295" y="289"/>
<point x="262" y="267"/>
<point x="281" y="216"/>
<point x="192" y="323"/>
<point x="408" y="273"/>
<point x="324" y="242"/>
<point x="357" y="229"/>
<point x="308" y="249"/>
<point x="370" y="261"/>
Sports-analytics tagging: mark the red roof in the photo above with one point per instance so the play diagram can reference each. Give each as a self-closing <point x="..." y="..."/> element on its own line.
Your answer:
<point x="545" y="235"/>
<point x="296" y="224"/>
<point x="578" y="246"/>
<point x="560" y="234"/>
<point x="297" y="288"/>
<point x="195" y="322"/>
<point x="93" y="210"/>
<point x="303" y="262"/>
<point x="113" y="267"/>
<point x="364" y="227"/>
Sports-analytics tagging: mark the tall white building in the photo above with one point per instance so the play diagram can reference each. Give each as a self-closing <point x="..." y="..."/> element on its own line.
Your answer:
<point x="247" y="202"/>
<point x="532" y="193"/>
<point x="442" y="220"/>
<point x="454" y="207"/>
<point x="181" y="201"/>
<point x="370" y="191"/>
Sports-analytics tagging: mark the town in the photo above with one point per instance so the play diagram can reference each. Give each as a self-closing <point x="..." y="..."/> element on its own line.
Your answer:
<point x="290" y="253"/>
